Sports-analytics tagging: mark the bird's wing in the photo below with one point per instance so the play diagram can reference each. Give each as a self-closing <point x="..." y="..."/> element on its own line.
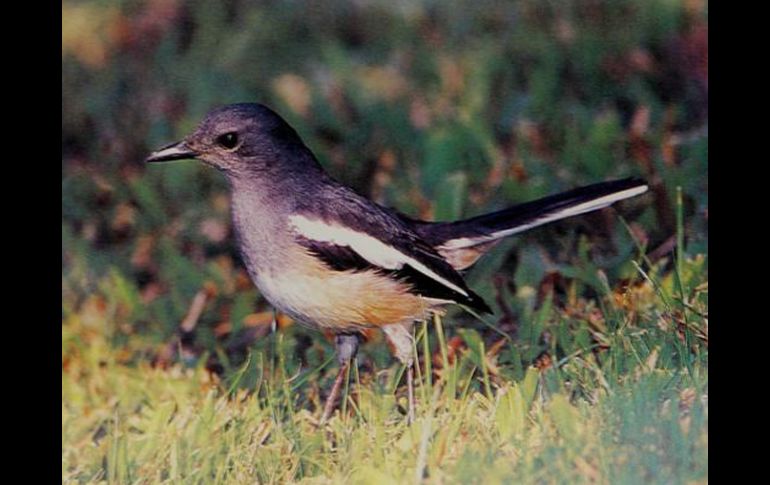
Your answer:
<point x="352" y="233"/>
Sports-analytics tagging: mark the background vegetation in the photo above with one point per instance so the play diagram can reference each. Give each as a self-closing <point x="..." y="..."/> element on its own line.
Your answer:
<point x="594" y="367"/>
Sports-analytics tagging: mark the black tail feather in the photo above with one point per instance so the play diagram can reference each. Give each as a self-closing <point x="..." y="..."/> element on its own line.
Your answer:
<point x="521" y="215"/>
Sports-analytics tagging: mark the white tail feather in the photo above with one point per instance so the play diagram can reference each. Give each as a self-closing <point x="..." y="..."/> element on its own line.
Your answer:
<point x="581" y="208"/>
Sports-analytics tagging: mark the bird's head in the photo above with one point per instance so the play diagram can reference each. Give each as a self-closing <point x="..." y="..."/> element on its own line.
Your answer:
<point x="242" y="139"/>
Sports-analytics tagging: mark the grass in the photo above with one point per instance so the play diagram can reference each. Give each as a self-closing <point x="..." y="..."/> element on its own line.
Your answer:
<point x="594" y="367"/>
<point x="650" y="429"/>
<point x="631" y="409"/>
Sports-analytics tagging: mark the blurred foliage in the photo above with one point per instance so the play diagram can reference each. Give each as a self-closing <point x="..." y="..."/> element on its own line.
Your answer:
<point x="442" y="109"/>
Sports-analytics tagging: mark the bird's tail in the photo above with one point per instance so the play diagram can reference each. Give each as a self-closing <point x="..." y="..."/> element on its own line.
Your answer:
<point x="463" y="242"/>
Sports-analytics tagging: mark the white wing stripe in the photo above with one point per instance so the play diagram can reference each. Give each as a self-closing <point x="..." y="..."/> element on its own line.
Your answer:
<point x="368" y="247"/>
<point x="582" y="208"/>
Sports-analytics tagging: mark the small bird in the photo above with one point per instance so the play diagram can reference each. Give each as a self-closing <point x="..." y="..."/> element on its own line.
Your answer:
<point x="334" y="260"/>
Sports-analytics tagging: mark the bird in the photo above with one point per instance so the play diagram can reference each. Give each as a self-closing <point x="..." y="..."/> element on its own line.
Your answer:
<point x="336" y="261"/>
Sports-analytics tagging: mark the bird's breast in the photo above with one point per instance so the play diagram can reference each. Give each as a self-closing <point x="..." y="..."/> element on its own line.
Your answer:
<point x="302" y="286"/>
<point x="306" y="289"/>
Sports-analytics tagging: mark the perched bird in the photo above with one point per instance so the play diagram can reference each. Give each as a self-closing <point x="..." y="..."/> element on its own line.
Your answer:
<point x="333" y="259"/>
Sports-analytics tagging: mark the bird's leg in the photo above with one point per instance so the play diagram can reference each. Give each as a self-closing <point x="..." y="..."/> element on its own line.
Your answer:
<point x="410" y="390"/>
<point x="334" y="394"/>
<point x="347" y="347"/>
<point x="400" y="337"/>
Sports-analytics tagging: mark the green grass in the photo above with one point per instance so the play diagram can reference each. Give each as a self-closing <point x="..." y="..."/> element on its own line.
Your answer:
<point x="172" y="426"/>
<point x="633" y="411"/>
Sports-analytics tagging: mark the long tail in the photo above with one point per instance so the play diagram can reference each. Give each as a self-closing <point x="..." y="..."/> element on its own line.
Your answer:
<point x="463" y="242"/>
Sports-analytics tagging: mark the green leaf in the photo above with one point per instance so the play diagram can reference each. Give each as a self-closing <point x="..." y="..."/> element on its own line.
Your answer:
<point x="565" y="416"/>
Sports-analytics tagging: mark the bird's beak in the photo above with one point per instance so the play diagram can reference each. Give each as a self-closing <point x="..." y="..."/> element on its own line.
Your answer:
<point x="175" y="151"/>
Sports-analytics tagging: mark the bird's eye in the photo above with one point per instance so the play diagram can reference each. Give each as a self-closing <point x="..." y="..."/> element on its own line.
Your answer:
<point x="228" y="140"/>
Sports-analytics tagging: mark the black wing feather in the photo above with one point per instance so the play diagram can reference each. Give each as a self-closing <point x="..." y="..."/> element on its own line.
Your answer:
<point x="340" y="205"/>
<point x="342" y="258"/>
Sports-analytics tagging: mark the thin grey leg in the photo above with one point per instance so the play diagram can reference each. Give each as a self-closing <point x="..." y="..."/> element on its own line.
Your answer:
<point x="410" y="391"/>
<point x="400" y="336"/>
<point x="347" y="347"/>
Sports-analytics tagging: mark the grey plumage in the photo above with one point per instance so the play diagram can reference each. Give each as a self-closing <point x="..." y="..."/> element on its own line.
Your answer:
<point x="333" y="259"/>
<point x="274" y="176"/>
